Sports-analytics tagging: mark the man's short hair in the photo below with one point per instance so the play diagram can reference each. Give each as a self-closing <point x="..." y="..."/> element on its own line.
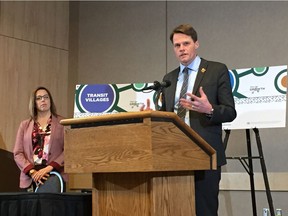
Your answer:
<point x="184" y="29"/>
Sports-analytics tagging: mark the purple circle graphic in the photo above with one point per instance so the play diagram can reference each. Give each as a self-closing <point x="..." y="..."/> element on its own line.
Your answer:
<point x="97" y="98"/>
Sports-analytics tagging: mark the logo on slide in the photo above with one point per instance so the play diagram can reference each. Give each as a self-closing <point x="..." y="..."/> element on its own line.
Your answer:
<point x="95" y="98"/>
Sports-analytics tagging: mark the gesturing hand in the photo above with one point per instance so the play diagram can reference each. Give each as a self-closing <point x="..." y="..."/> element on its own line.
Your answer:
<point x="199" y="104"/>
<point x="147" y="107"/>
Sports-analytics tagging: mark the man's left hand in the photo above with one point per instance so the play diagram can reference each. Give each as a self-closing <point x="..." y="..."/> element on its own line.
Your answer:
<point x="199" y="104"/>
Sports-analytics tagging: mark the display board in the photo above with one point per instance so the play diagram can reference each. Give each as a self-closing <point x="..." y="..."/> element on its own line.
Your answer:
<point x="260" y="97"/>
<point x="99" y="99"/>
<point x="259" y="94"/>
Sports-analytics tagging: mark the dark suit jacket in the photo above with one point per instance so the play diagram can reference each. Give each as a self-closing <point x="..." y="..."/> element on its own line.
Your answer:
<point x="214" y="78"/>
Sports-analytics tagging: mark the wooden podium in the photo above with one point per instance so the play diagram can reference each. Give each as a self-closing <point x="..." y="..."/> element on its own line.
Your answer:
<point x="142" y="162"/>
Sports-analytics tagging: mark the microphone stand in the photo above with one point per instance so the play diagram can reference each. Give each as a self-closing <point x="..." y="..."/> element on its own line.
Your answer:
<point x="158" y="93"/>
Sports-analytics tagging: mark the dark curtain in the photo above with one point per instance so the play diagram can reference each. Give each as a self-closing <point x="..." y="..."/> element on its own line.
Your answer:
<point x="45" y="204"/>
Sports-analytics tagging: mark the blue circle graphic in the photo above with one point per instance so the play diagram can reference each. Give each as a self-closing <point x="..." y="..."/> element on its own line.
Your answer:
<point x="232" y="80"/>
<point x="97" y="98"/>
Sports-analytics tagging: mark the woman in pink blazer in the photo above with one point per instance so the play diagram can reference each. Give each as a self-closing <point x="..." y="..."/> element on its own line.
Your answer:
<point x="39" y="145"/>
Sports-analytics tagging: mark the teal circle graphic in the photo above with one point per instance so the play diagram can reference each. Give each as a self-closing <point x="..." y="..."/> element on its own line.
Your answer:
<point x="138" y="86"/>
<point x="260" y="71"/>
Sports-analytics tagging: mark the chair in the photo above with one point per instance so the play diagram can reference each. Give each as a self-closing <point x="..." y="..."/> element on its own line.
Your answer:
<point x="54" y="184"/>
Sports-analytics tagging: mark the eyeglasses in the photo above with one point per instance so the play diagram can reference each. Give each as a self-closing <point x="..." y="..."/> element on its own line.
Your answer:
<point x="39" y="98"/>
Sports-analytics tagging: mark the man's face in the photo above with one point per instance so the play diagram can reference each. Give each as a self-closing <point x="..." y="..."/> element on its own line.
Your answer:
<point x="184" y="48"/>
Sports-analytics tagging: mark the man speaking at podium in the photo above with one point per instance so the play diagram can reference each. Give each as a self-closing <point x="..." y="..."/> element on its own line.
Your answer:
<point x="201" y="94"/>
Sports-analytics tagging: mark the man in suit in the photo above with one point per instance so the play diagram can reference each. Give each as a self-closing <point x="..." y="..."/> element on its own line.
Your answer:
<point x="207" y="103"/>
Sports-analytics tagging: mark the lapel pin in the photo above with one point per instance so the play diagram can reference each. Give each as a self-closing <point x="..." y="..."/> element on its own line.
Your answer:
<point x="203" y="70"/>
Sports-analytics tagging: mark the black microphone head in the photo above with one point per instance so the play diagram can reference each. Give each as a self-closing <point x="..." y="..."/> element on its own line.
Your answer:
<point x="166" y="83"/>
<point x="156" y="85"/>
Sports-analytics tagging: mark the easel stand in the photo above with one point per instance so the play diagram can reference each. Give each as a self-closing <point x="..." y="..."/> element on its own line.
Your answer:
<point x="247" y="163"/>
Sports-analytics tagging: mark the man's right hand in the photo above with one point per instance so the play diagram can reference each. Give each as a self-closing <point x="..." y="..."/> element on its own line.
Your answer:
<point x="147" y="107"/>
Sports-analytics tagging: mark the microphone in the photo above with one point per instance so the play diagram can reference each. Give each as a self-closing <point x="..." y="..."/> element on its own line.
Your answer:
<point x="157" y="85"/>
